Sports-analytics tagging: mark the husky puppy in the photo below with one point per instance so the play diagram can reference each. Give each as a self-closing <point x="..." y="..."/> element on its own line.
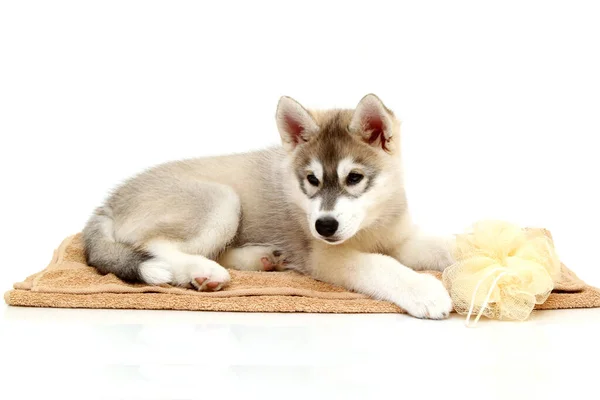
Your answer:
<point x="329" y="202"/>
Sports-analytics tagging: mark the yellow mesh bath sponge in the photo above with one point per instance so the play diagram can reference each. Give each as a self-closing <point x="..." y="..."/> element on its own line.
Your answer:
<point x="501" y="271"/>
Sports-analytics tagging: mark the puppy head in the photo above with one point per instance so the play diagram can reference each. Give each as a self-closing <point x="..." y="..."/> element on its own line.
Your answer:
<point x="342" y="163"/>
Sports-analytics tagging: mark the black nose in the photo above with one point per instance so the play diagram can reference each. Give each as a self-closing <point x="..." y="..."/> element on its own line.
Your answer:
<point x="326" y="226"/>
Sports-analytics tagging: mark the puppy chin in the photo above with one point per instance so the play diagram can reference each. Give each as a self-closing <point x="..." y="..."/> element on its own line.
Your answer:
<point x="333" y="240"/>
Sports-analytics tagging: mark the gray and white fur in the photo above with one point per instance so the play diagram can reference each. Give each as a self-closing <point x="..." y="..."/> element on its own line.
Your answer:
<point x="329" y="202"/>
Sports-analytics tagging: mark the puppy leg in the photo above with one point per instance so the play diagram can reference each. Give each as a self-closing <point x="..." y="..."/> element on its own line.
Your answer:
<point x="189" y="261"/>
<point x="384" y="278"/>
<point x="253" y="258"/>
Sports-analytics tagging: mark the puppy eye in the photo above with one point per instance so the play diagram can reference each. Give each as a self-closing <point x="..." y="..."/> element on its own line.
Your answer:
<point x="312" y="180"/>
<point x="353" y="178"/>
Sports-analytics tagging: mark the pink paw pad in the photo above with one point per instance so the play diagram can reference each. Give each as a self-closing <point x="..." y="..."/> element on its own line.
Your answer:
<point x="200" y="281"/>
<point x="213" y="285"/>
<point x="267" y="265"/>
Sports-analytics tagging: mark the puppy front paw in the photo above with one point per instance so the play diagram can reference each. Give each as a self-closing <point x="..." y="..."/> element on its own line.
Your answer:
<point x="427" y="298"/>
<point x="427" y="253"/>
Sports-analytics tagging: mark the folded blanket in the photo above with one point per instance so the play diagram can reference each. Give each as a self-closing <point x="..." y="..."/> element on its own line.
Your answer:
<point x="68" y="282"/>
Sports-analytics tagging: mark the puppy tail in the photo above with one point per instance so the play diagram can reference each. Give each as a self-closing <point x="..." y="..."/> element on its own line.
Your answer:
<point x="106" y="254"/>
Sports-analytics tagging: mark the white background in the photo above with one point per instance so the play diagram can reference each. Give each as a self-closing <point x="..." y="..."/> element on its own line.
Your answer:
<point x="499" y="102"/>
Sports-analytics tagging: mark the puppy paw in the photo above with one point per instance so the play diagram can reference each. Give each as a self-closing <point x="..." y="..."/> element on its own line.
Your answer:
<point x="427" y="253"/>
<point x="209" y="276"/>
<point x="254" y="258"/>
<point x="273" y="260"/>
<point x="427" y="299"/>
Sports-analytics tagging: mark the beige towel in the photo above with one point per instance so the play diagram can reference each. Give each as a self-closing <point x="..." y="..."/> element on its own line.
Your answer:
<point x="69" y="283"/>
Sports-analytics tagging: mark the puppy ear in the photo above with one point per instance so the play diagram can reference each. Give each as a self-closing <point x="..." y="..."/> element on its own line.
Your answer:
<point x="373" y="122"/>
<point x="295" y="124"/>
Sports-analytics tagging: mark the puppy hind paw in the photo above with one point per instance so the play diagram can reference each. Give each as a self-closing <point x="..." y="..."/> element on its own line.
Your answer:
<point x="273" y="260"/>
